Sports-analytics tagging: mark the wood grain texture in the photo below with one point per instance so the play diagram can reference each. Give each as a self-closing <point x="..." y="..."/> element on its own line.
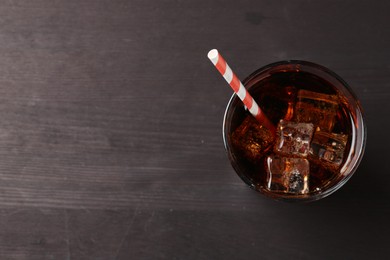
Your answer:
<point x="111" y="140"/>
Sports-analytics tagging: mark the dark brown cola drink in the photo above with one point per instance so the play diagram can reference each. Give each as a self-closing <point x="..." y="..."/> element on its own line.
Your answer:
<point x="320" y="133"/>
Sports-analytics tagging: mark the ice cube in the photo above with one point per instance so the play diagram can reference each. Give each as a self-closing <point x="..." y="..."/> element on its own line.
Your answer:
<point x="328" y="148"/>
<point x="289" y="175"/>
<point x="252" y="139"/>
<point x="293" y="139"/>
<point x="316" y="108"/>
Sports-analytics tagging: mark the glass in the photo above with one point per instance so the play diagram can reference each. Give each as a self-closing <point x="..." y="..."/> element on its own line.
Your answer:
<point x="320" y="137"/>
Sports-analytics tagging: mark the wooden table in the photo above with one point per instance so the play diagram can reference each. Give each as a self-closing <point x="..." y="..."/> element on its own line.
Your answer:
<point x="110" y="135"/>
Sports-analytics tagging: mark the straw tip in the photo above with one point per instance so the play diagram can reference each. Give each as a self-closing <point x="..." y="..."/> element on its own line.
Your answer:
<point x="212" y="54"/>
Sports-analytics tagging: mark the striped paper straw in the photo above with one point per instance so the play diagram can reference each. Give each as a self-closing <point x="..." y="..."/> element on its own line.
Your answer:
<point x="231" y="78"/>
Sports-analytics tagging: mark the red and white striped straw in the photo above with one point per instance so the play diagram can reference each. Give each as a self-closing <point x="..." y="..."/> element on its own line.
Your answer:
<point x="231" y="78"/>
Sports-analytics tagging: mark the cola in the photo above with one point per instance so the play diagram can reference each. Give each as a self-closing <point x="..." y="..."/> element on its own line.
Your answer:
<point x="320" y="133"/>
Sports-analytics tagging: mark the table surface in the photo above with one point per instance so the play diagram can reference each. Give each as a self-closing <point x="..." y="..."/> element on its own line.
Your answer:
<point x="110" y="134"/>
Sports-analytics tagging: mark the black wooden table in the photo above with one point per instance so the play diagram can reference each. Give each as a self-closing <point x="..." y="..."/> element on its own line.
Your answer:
<point x="111" y="141"/>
